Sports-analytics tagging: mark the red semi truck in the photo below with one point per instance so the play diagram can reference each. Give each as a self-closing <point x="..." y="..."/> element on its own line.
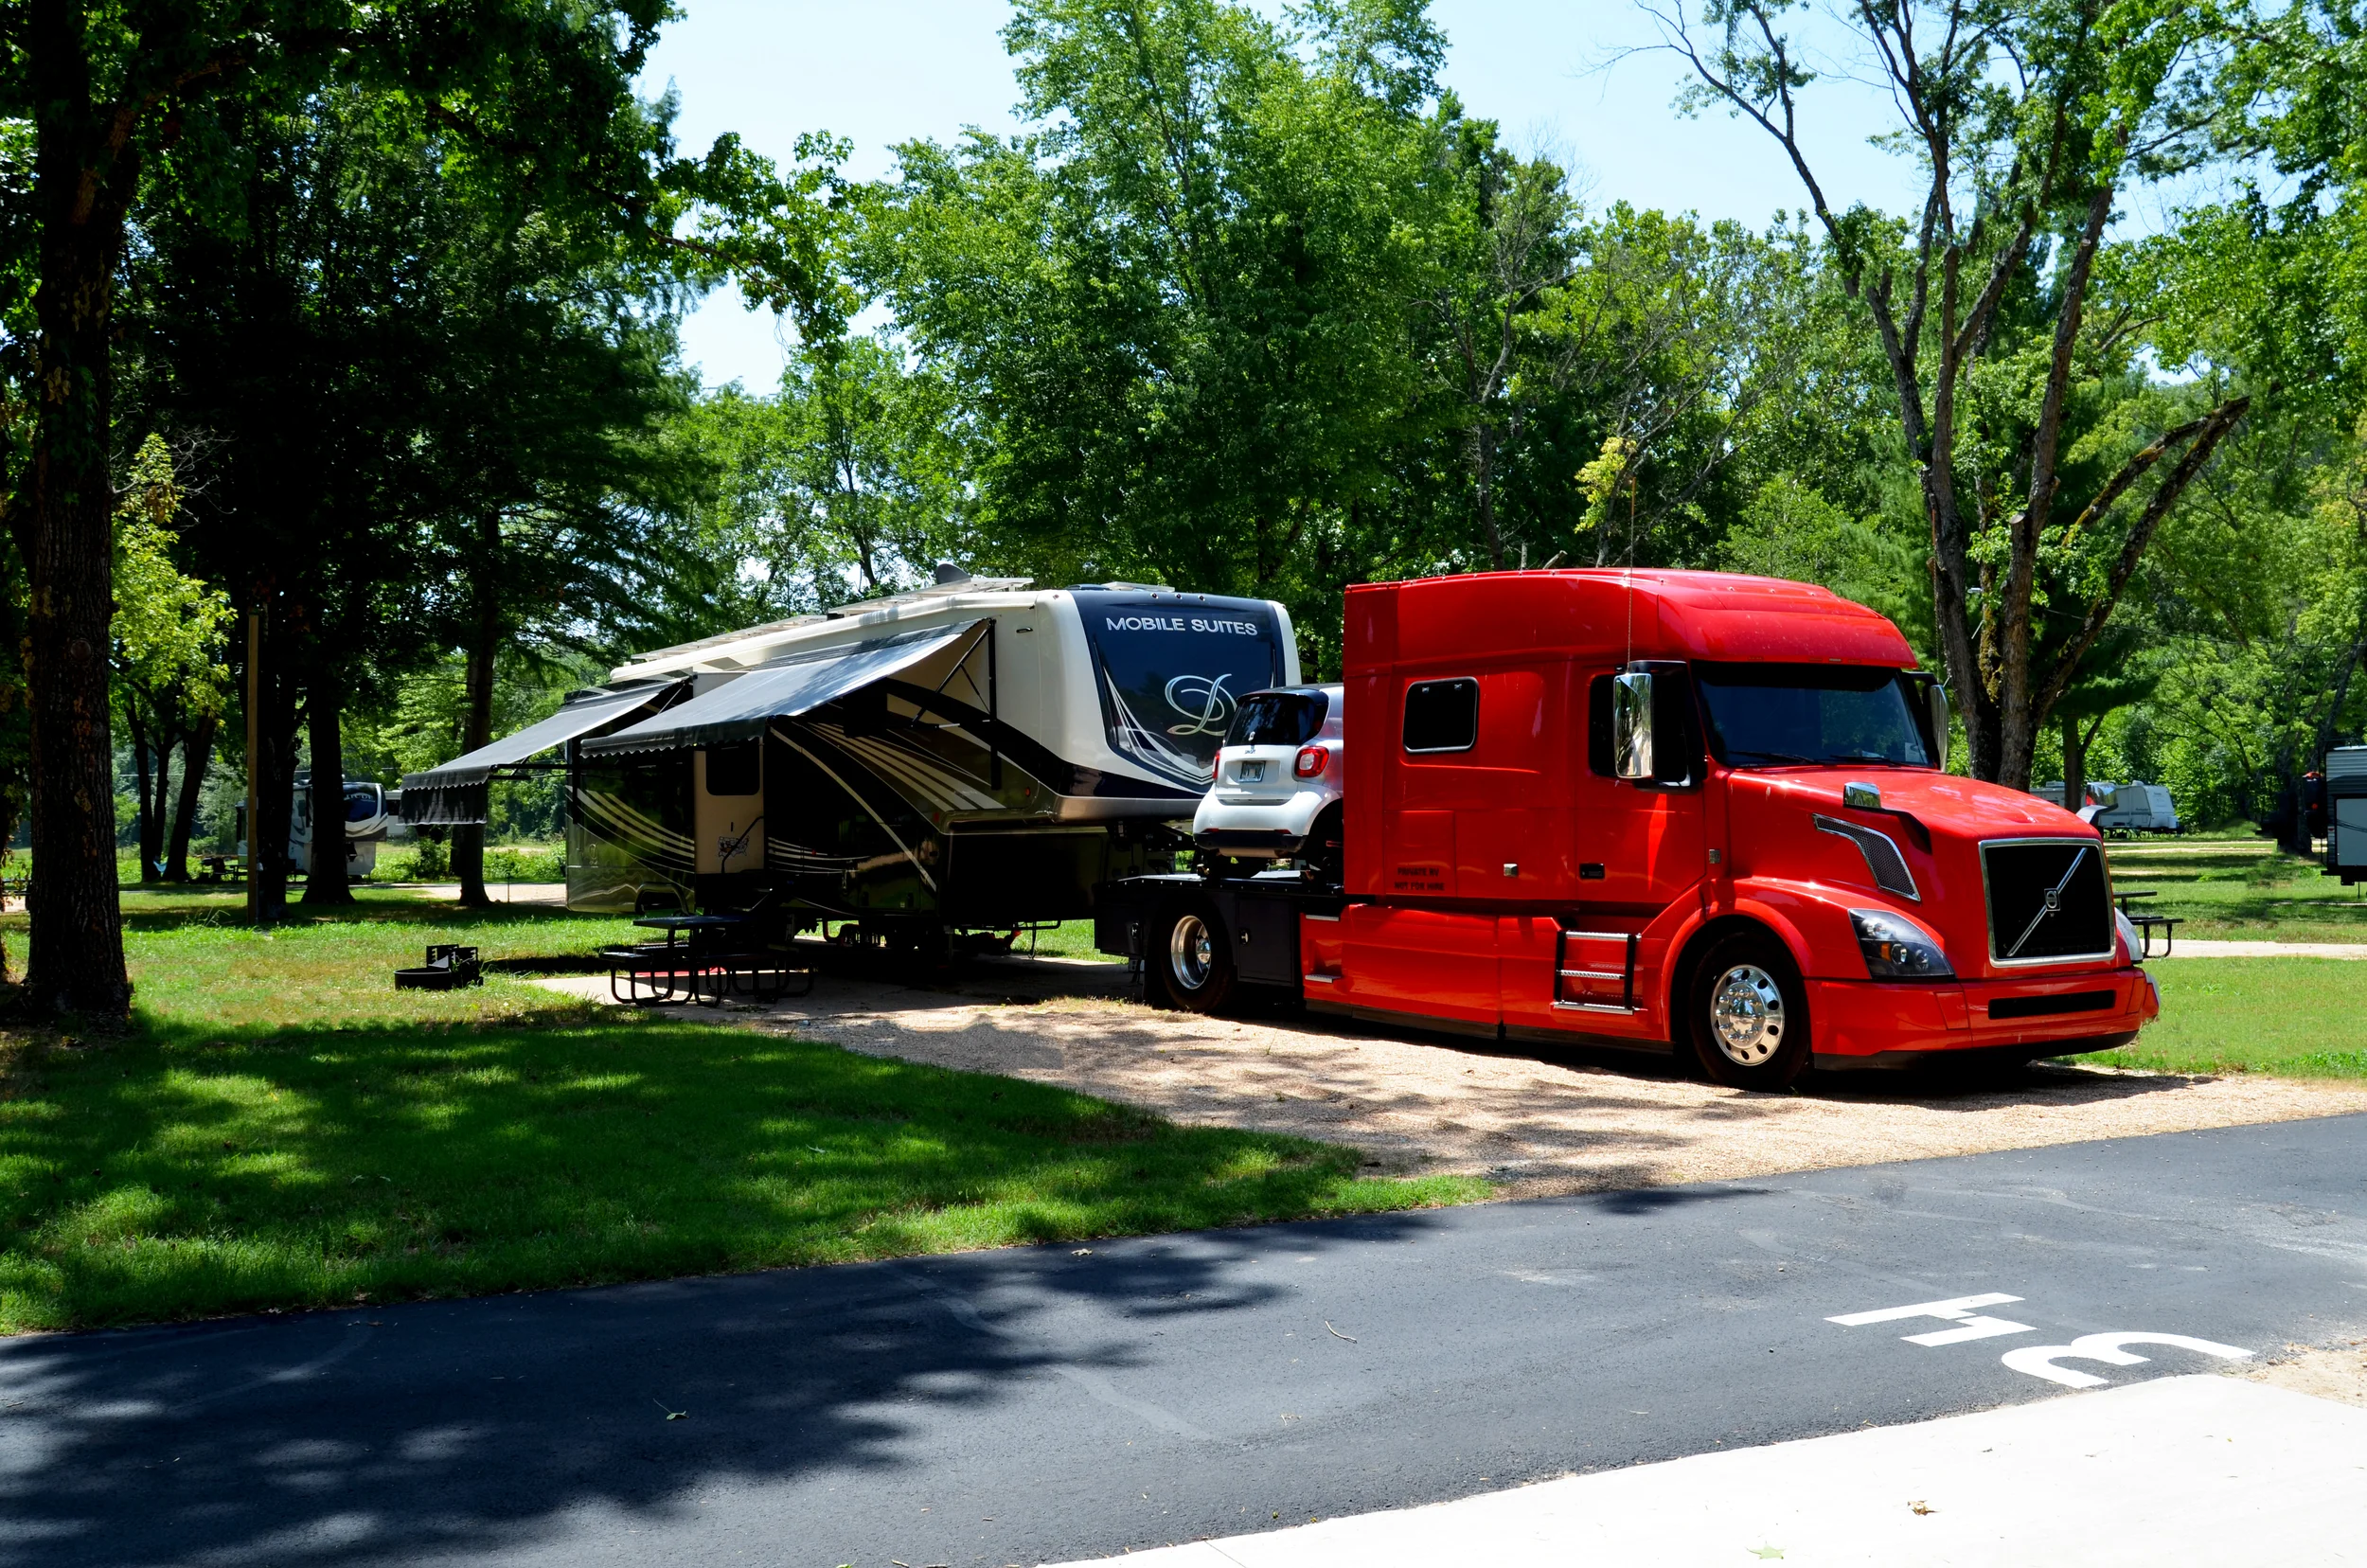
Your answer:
<point x="1681" y="810"/>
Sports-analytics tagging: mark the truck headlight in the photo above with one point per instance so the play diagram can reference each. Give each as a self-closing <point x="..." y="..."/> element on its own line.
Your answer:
<point x="1896" y="950"/>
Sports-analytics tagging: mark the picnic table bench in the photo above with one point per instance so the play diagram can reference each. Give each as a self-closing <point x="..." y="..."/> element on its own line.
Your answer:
<point x="2147" y="925"/>
<point x="704" y="959"/>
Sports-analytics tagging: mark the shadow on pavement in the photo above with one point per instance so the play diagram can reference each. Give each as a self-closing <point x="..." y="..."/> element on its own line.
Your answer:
<point x="501" y="1423"/>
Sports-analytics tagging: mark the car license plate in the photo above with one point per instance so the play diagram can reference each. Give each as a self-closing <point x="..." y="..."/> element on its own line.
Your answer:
<point x="1253" y="772"/>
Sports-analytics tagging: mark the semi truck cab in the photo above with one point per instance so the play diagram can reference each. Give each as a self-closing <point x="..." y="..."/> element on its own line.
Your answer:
<point x="1673" y="811"/>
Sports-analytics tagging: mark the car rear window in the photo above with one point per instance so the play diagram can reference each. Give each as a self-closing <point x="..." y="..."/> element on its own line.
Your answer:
<point x="1277" y="719"/>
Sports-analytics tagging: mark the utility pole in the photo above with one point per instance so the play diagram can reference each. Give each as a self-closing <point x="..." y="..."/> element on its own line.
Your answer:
<point x="253" y="730"/>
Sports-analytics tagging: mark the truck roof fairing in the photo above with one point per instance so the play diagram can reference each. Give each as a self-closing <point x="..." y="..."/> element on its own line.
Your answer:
<point x="1665" y="614"/>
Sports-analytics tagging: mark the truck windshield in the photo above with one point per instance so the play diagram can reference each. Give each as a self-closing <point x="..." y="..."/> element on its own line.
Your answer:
<point x="1277" y="719"/>
<point x="1778" y="715"/>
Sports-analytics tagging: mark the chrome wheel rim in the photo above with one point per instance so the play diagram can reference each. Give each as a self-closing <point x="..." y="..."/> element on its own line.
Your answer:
<point x="1191" y="952"/>
<point x="1747" y="1015"/>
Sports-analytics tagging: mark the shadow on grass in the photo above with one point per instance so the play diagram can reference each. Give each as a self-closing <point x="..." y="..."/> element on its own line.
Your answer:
<point x="181" y="1171"/>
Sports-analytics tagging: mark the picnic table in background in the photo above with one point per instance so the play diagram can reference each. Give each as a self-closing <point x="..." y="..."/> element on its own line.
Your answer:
<point x="2147" y="924"/>
<point x="705" y="958"/>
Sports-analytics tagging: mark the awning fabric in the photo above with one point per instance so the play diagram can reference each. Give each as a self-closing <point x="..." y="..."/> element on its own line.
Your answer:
<point x="781" y="689"/>
<point x="455" y="793"/>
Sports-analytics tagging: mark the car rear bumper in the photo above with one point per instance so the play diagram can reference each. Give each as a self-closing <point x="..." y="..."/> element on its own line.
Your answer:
<point x="1248" y="841"/>
<point x="1264" y="828"/>
<point x="1856" y="1021"/>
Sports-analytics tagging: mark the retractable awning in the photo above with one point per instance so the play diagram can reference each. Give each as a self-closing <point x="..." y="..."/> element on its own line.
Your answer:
<point x="455" y="793"/>
<point x="781" y="689"/>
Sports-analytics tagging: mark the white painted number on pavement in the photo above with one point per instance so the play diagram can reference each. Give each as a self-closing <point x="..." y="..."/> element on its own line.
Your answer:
<point x="2038" y="1361"/>
<point x="1958" y="1310"/>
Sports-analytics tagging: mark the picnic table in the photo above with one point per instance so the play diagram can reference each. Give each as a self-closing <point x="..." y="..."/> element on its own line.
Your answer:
<point x="704" y="959"/>
<point x="2147" y="925"/>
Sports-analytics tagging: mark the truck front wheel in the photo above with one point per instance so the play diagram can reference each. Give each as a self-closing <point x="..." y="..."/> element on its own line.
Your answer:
<point x="1748" y="1014"/>
<point x="1190" y="957"/>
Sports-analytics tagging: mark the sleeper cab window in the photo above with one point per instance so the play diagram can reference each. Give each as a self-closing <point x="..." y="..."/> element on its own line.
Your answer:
<point x="734" y="769"/>
<point x="1442" y="716"/>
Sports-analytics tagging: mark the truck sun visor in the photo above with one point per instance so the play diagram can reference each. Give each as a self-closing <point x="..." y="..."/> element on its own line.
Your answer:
<point x="783" y="689"/>
<point x="455" y="793"/>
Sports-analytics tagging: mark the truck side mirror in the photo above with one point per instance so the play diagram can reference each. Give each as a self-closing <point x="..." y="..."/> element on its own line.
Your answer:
<point x="1632" y="725"/>
<point x="1936" y="695"/>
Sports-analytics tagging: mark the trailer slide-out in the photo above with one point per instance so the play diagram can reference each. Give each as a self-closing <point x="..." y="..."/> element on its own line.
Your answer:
<point x="1668" y="810"/>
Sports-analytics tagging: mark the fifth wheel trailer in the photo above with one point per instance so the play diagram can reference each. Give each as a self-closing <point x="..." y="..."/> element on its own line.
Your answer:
<point x="973" y="755"/>
<point x="1672" y="810"/>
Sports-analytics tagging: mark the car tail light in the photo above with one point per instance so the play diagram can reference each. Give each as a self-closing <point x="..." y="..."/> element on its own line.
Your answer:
<point x="1313" y="761"/>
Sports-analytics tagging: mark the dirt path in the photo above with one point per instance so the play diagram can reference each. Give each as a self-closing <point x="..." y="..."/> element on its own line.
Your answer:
<point x="1537" y="1121"/>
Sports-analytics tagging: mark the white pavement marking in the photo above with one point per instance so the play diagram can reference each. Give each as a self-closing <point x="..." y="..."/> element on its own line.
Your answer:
<point x="2200" y="948"/>
<point x="2039" y="1360"/>
<point x="1972" y="1329"/>
<point x="1957" y="1309"/>
<point x="2203" y="1469"/>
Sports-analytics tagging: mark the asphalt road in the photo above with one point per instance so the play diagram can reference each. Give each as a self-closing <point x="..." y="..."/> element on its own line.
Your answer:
<point x="1048" y="1404"/>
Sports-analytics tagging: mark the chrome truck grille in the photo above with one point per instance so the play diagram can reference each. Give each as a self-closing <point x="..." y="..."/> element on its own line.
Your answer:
<point x="2049" y="901"/>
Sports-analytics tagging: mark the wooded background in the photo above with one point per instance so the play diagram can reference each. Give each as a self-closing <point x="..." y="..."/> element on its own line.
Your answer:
<point x="361" y="319"/>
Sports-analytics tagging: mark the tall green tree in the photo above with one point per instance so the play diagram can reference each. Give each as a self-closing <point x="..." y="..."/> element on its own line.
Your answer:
<point x="1179" y="308"/>
<point x="2031" y="122"/>
<point x="167" y="637"/>
<point x="127" y="99"/>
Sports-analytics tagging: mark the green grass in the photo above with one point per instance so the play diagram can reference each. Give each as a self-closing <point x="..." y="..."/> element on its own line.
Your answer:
<point x="2236" y="892"/>
<point x="280" y="1128"/>
<point x="2288" y="1017"/>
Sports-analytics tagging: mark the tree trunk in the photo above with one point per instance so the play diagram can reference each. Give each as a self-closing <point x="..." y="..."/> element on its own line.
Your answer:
<point x="1483" y="475"/>
<point x="274" y="790"/>
<point x="141" y="791"/>
<point x="83" y="175"/>
<point x="196" y="753"/>
<point x="467" y="839"/>
<point x="2075" y="764"/>
<point x="325" y="882"/>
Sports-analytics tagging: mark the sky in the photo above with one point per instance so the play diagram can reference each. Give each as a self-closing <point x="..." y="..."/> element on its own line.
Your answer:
<point x="1552" y="74"/>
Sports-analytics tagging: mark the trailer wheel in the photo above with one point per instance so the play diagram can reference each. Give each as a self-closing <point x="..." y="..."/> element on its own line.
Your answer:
<point x="1749" y="1013"/>
<point x="1190" y="956"/>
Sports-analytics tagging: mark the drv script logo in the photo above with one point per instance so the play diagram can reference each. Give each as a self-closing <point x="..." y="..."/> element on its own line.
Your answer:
<point x="1205" y="704"/>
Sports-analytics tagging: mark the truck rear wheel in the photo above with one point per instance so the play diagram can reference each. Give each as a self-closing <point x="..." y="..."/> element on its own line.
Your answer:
<point x="1748" y="1014"/>
<point x="1190" y="957"/>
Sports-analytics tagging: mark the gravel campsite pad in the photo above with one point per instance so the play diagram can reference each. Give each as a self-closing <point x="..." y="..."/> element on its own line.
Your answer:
<point x="1527" y="1117"/>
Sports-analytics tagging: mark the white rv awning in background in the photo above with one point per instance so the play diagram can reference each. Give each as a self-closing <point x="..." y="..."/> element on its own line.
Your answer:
<point x="455" y="793"/>
<point x="782" y="689"/>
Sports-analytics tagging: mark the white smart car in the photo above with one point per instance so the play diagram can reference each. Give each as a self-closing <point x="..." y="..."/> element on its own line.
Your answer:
<point x="1277" y="792"/>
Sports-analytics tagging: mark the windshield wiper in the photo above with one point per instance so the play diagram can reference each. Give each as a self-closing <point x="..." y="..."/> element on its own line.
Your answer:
<point x="1878" y="761"/>
<point x="1740" y="752"/>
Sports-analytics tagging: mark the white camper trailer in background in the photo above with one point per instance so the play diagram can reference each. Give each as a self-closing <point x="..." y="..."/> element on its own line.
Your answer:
<point x="2345" y="788"/>
<point x="971" y="756"/>
<point x="2129" y="808"/>
<point x="367" y="821"/>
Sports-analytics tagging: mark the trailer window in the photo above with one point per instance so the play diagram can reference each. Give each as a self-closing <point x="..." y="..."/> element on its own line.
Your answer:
<point x="1278" y="719"/>
<point x="734" y="769"/>
<point x="1784" y="715"/>
<point x="1442" y="716"/>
